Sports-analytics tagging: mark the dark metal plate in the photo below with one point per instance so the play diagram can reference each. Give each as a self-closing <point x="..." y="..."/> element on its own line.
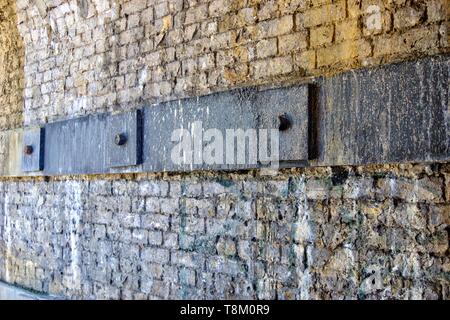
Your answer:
<point x="76" y="146"/>
<point x="124" y="139"/>
<point x="390" y="114"/>
<point x="33" y="150"/>
<point x="238" y="109"/>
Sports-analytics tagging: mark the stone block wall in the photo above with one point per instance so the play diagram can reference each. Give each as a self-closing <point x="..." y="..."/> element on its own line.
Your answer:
<point x="91" y="56"/>
<point x="347" y="232"/>
<point x="12" y="77"/>
<point x="335" y="232"/>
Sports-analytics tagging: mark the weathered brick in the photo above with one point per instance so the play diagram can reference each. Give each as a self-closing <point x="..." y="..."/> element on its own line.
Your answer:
<point x="318" y="188"/>
<point x="188" y="259"/>
<point x="347" y="30"/>
<point x="169" y="206"/>
<point x="196" y="14"/>
<point x="321" y="35"/>
<point x="305" y="60"/>
<point x="155" y="238"/>
<point x="436" y="10"/>
<point x="226" y="247"/>
<point x="161" y="9"/>
<point x="266" y="48"/>
<point x="223" y="265"/>
<point x="187" y="277"/>
<point x="218" y="8"/>
<point x="267" y="10"/>
<point x="408" y="17"/>
<point x="276" y="27"/>
<point x="155" y="221"/>
<point x="292" y="42"/>
<point x="272" y="67"/>
<point x="415" y="40"/>
<point x="133" y="6"/>
<point x="139" y="236"/>
<point x="343" y="52"/>
<point x="324" y="14"/>
<point x="155" y="255"/>
<point x="153" y="188"/>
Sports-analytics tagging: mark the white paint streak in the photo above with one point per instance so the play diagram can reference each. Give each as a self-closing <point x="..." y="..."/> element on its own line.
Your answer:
<point x="74" y="212"/>
<point x="7" y="235"/>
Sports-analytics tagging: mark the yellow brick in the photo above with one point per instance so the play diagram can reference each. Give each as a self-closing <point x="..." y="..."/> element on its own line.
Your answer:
<point x="275" y="27"/>
<point x="306" y="60"/>
<point x="272" y="67"/>
<point x="321" y="35"/>
<point x="292" y="42"/>
<point x="420" y="39"/>
<point x="318" y="3"/>
<point x="343" y="51"/>
<point x="346" y="30"/>
<point x="353" y="8"/>
<point x="321" y="15"/>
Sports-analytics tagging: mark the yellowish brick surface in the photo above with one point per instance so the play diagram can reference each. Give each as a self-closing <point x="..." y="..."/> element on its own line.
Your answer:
<point x="121" y="54"/>
<point x="321" y="35"/>
<point x="343" y="52"/>
<point x="11" y="68"/>
<point x="348" y="29"/>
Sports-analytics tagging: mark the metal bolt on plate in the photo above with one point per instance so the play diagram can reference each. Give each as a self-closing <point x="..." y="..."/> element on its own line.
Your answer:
<point x="285" y="122"/>
<point x="28" y="150"/>
<point x="120" y="139"/>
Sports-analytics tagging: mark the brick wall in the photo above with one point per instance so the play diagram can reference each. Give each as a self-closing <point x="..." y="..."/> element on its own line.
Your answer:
<point x="347" y="232"/>
<point x="11" y="67"/>
<point x="341" y="232"/>
<point x="89" y="56"/>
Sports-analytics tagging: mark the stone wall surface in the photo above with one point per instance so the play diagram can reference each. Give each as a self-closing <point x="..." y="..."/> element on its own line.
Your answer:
<point x="12" y="77"/>
<point x="345" y="232"/>
<point x="333" y="232"/>
<point x="88" y="56"/>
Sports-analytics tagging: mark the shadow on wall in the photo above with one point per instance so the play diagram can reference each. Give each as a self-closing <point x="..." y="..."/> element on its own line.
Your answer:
<point x="11" y="67"/>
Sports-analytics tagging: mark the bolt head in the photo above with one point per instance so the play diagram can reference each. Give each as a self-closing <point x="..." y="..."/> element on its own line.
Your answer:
<point x="28" y="150"/>
<point x="285" y="122"/>
<point x="120" y="139"/>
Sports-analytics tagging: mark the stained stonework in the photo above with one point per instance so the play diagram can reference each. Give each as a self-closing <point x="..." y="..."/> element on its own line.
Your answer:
<point x="332" y="232"/>
<point x="348" y="232"/>
<point x="100" y="55"/>
<point x="11" y="67"/>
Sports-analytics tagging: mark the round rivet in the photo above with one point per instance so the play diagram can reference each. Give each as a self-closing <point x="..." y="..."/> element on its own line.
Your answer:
<point x="285" y="122"/>
<point x="28" y="150"/>
<point x="120" y="139"/>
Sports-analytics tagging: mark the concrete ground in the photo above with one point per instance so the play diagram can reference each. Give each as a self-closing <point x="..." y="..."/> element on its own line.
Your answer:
<point x="9" y="292"/>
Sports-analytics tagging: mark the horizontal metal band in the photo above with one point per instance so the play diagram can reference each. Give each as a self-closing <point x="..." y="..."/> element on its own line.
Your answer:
<point x="390" y="114"/>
